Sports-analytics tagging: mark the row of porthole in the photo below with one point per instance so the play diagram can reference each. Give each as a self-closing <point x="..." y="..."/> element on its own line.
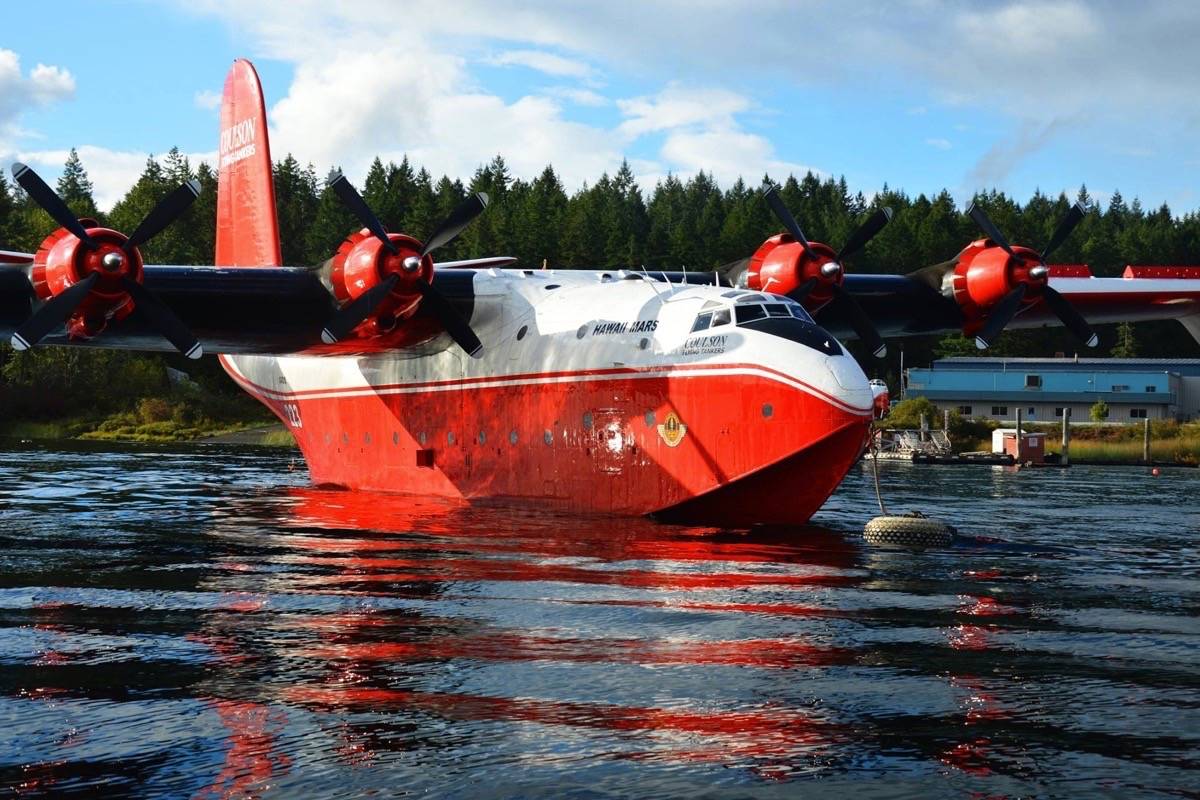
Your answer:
<point x="548" y="437"/>
<point x="451" y="438"/>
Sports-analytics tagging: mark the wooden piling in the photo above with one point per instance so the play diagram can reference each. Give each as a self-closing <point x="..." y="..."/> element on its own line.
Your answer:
<point x="1066" y="437"/>
<point x="1019" y="436"/>
<point x="1146" y="441"/>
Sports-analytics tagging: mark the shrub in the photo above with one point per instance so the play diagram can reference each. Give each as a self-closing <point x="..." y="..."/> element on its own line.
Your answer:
<point x="1099" y="411"/>
<point x="154" y="409"/>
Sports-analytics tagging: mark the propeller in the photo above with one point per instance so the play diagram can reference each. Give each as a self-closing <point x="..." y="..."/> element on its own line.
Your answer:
<point x="832" y="270"/>
<point x="351" y="316"/>
<point x="1004" y="311"/>
<point x="59" y="308"/>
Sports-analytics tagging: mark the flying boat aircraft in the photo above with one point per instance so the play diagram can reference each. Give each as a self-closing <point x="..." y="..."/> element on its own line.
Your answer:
<point x="724" y="398"/>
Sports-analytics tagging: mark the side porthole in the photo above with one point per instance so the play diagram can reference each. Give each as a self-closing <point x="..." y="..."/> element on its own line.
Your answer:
<point x="421" y="437"/>
<point x="366" y="438"/>
<point x="521" y="333"/>
<point x="767" y="410"/>
<point x="512" y="437"/>
<point x="582" y="332"/>
<point x="548" y="438"/>
<point x="587" y="420"/>
<point x="649" y="419"/>
<point x="450" y="437"/>
<point x="644" y="343"/>
<point x="483" y="437"/>
<point x="395" y="437"/>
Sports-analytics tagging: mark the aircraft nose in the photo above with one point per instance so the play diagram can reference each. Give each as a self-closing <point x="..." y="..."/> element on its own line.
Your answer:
<point x="847" y="374"/>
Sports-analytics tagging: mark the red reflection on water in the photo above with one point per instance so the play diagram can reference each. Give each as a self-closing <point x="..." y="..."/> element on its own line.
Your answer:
<point x="973" y="755"/>
<point x="365" y="541"/>
<point x="446" y="541"/>
<point x="761" y="733"/>
<point x="761" y="653"/>
<point x="251" y="758"/>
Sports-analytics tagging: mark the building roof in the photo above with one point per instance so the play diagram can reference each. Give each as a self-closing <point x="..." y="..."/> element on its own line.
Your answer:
<point x="1181" y="366"/>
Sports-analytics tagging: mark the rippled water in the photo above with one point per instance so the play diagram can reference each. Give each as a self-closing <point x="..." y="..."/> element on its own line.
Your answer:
<point x="199" y="623"/>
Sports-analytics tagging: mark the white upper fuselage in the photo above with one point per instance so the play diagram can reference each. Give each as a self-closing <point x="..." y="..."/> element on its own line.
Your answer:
<point x="543" y="322"/>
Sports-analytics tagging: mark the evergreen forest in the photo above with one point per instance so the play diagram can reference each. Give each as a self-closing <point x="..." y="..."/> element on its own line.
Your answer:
<point x="679" y="224"/>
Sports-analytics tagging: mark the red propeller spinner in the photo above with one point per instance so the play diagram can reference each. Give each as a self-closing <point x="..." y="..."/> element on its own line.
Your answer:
<point x="811" y="273"/>
<point x="382" y="278"/>
<point x="993" y="281"/>
<point x="87" y="275"/>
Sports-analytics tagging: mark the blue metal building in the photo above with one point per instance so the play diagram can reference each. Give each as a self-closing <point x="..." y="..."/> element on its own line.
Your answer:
<point x="1133" y="388"/>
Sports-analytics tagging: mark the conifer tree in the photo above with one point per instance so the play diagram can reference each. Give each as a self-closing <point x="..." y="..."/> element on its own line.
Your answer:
<point x="75" y="188"/>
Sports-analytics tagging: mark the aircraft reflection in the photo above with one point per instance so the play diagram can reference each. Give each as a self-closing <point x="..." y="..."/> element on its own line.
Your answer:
<point x="344" y="664"/>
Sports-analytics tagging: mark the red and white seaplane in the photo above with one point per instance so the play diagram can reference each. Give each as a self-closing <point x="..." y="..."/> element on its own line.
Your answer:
<point x="709" y="397"/>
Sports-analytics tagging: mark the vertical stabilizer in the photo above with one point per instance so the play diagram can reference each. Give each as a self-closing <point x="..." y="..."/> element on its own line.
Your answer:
<point x="247" y="231"/>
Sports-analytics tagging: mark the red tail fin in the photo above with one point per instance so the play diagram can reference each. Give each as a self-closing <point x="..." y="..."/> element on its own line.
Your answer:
<point x="247" y="232"/>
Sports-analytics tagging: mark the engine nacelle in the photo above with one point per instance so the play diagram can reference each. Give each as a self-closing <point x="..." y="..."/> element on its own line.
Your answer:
<point x="985" y="273"/>
<point x="363" y="262"/>
<point x="781" y="265"/>
<point x="62" y="261"/>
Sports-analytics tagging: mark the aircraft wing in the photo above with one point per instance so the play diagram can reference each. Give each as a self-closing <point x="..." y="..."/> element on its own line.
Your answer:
<point x="238" y="310"/>
<point x="923" y="302"/>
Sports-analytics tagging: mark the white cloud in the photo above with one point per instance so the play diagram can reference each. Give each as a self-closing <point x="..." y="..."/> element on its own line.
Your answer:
<point x="1029" y="61"/>
<point x="580" y="97"/>
<point x="18" y="93"/>
<point x="939" y="144"/>
<point x="727" y="155"/>
<point x="207" y="99"/>
<point x="540" y="60"/>
<point x="679" y="106"/>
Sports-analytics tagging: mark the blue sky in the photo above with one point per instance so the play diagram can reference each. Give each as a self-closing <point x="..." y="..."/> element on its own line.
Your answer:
<point x="920" y="94"/>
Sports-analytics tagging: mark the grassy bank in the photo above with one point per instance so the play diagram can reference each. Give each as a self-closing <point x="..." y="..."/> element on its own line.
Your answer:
<point x="69" y="393"/>
<point x="1176" y="451"/>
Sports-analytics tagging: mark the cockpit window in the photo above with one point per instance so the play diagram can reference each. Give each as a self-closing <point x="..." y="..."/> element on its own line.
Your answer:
<point x="702" y="322"/>
<point x="747" y="313"/>
<point x="720" y="317"/>
<point x="788" y="321"/>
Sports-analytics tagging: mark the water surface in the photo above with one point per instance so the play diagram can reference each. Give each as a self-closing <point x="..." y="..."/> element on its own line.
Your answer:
<point x="199" y="623"/>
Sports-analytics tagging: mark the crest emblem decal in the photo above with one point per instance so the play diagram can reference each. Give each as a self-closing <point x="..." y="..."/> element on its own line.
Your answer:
<point x="672" y="430"/>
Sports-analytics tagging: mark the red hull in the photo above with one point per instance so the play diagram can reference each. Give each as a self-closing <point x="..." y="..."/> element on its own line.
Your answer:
<point x="749" y="446"/>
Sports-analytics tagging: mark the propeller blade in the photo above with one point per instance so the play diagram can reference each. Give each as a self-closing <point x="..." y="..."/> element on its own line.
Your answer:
<point x="1001" y="315"/>
<point x="863" y="327"/>
<point x="161" y="318"/>
<point x="458" y="328"/>
<point x="457" y="222"/>
<point x="1073" y="218"/>
<point x="800" y="292"/>
<point x="1066" y="312"/>
<point x="163" y="214"/>
<point x="353" y="201"/>
<point x="51" y="203"/>
<point x="981" y="219"/>
<point x="865" y="233"/>
<point x="783" y="215"/>
<point x="52" y="314"/>
<point x="350" y="317"/>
